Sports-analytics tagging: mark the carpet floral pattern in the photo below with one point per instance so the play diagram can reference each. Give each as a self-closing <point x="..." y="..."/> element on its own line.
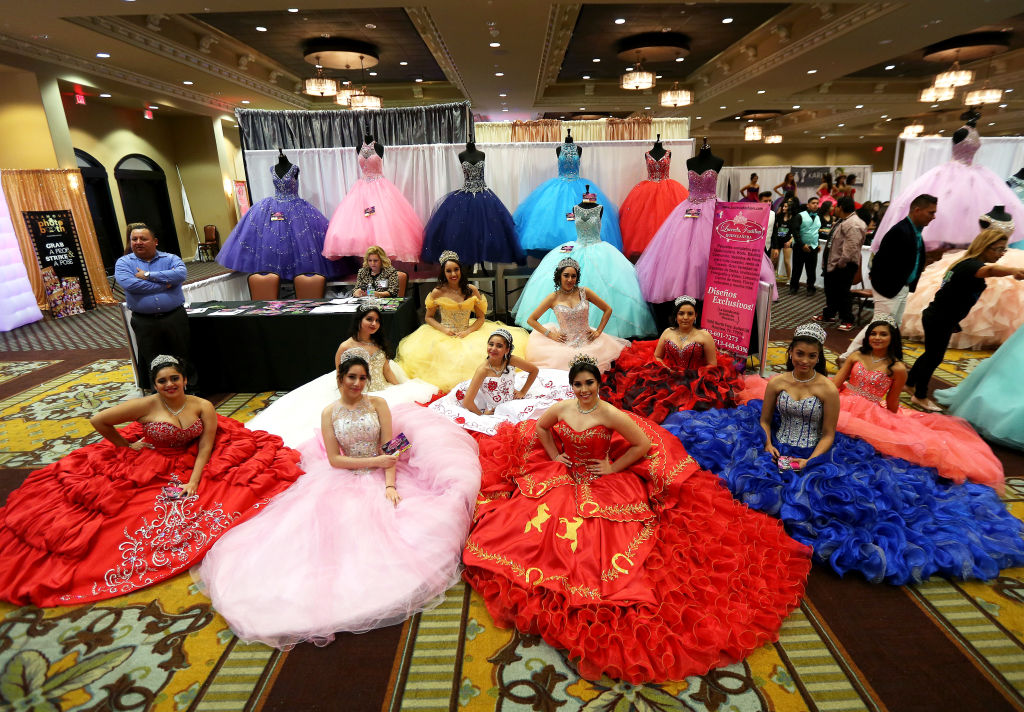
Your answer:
<point x="9" y="370"/>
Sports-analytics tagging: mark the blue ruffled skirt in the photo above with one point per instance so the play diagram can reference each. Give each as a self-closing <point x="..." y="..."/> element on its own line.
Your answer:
<point x="883" y="517"/>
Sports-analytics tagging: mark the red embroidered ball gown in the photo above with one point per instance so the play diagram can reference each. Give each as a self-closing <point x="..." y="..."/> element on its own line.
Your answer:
<point x="99" y="523"/>
<point x="641" y="385"/>
<point x="649" y="574"/>
<point x="648" y="204"/>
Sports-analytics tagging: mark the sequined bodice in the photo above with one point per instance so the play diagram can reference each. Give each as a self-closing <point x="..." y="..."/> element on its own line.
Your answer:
<point x="456" y="315"/>
<point x="588" y="225"/>
<point x="964" y="151"/>
<point x="657" y="170"/>
<point x="286" y="187"/>
<point x="702" y="185"/>
<point x="689" y="356"/>
<point x="573" y="321"/>
<point x="590" y="444"/>
<point x="800" y="420"/>
<point x="170" y="435"/>
<point x="357" y="430"/>
<point x="370" y="163"/>
<point x="474" y="173"/>
<point x="496" y="390"/>
<point x="872" y="385"/>
<point x="377" y="380"/>
<point x="569" y="162"/>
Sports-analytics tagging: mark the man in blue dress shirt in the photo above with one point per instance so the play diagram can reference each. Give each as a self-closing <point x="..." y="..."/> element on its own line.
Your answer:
<point x="152" y="281"/>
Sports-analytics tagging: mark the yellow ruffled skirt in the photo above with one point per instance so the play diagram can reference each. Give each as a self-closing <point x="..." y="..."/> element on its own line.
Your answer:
<point x="446" y="360"/>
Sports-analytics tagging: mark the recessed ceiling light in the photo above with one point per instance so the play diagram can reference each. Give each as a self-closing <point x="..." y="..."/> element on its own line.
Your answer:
<point x="840" y="125"/>
<point x="990" y="123"/>
<point x="736" y="118"/>
<point x="700" y="117"/>
<point x="502" y="94"/>
<point x="1002" y="106"/>
<point x="1007" y="91"/>
<point x="860" y="137"/>
<point x="629" y="69"/>
<point x="812" y="71"/>
<point x="620" y="21"/>
<point x="153" y="106"/>
<point x="749" y="121"/>
<point x="372" y="74"/>
<point x="596" y="59"/>
<point x="370" y="26"/>
<point x="647" y="108"/>
<point x="657" y="76"/>
<point x="104" y="96"/>
<point x="103" y="55"/>
<point x="404" y="64"/>
<point x="796" y="106"/>
<point x="726" y="20"/>
<point x="890" y="66"/>
<point x="586" y="76"/>
<point x="884" y="116"/>
<point x="721" y="107"/>
<point x="244" y="101"/>
<point x="934" y="106"/>
<point x="499" y="74"/>
<point x="505" y="109"/>
<point x="888" y="119"/>
<point x="583" y="108"/>
<point x="495" y="44"/>
<point x="884" y="41"/>
<point x="822" y="137"/>
<point x="187" y="83"/>
<point x="859" y="106"/>
<point x="418" y="80"/>
<point x="680" y="59"/>
<point x="293" y="9"/>
<point x="760" y="91"/>
<point x="261" y="28"/>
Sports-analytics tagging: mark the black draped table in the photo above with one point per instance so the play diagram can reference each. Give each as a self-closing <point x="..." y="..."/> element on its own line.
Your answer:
<point x="275" y="346"/>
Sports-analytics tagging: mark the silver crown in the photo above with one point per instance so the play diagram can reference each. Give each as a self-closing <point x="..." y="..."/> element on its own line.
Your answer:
<point x="569" y="262"/>
<point x="686" y="300"/>
<point x="811" y="330"/>
<point x="887" y="318"/>
<point x="1004" y="226"/>
<point x="505" y="334"/>
<point x="369" y="304"/>
<point x="163" y="358"/>
<point x="582" y="358"/>
<point x="449" y="255"/>
<point x="355" y="352"/>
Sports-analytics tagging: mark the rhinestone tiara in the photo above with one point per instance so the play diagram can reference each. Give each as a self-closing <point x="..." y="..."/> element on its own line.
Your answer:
<point x="355" y="352"/>
<point x="887" y="318"/>
<point x="685" y="299"/>
<point x="569" y="262"/>
<point x="163" y="358"/>
<point x="582" y="358"/>
<point x="449" y="255"/>
<point x="811" y="330"/>
<point x="505" y="334"/>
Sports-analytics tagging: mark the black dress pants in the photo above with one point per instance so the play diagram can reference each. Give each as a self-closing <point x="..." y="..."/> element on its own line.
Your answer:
<point x="837" y="293"/>
<point x="803" y="261"/>
<point x="159" y="334"/>
<point x="937" y="333"/>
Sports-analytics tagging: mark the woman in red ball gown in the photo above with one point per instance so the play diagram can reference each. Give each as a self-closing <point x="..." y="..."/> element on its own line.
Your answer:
<point x="140" y="506"/>
<point x="680" y="371"/>
<point x="595" y="530"/>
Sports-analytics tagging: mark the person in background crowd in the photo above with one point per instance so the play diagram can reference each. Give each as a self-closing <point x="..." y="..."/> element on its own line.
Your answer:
<point x="376" y="276"/>
<point x="804" y="229"/>
<point x="842" y="263"/>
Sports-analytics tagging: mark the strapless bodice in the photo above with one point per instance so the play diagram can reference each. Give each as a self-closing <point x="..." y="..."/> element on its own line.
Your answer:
<point x="964" y="151"/>
<point x="590" y="444"/>
<point x="371" y="165"/>
<point x="588" y="225"/>
<point x="357" y="430"/>
<point x="657" y="170"/>
<point x="474" y="174"/>
<point x="872" y="385"/>
<point x="169" y="435"/>
<point x="573" y="322"/>
<point x="702" y="185"/>
<point x="286" y="187"/>
<point x="689" y="356"/>
<point x="800" y="420"/>
<point x="569" y="162"/>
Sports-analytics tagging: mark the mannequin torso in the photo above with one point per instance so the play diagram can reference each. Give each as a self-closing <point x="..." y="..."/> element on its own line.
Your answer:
<point x="471" y="155"/>
<point x="377" y="145"/>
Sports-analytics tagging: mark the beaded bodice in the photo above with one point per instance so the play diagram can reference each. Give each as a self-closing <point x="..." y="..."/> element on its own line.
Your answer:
<point x="377" y="380"/>
<point x="573" y="322"/>
<point x="590" y="444"/>
<point x="588" y="225"/>
<point x="657" y="170"/>
<point x="872" y="385"/>
<point x="702" y="185"/>
<point x="686" y="357"/>
<point x="286" y="187"/>
<point x="474" y="173"/>
<point x="496" y="390"/>
<point x="964" y="151"/>
<point x="161" y="434"/>
<point x="800" y="420"/>
<point x="371" y="165"/>
<point x="357" y="430"/>
<point x="569" y="162"/>
<point x="456" y="315"/>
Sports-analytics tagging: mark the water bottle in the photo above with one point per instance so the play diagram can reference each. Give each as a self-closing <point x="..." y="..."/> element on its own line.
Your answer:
<point x="370" y="290"/>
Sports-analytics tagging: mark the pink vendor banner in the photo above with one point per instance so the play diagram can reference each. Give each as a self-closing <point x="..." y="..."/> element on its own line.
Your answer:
<point x="734" y="265"/>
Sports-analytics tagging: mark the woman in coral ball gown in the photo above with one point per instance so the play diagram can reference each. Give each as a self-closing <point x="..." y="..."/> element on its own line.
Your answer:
<point x="374" y="212"/>
<point x="595" y="531"/>
<point x="140" y="506"/>
<point x="682" y="370"/>
<point x="649" y="202"/>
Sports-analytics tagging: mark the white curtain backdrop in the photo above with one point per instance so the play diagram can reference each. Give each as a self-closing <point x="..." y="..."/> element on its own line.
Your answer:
<point x="426" y="173"/>
<point x="882" y="185"/>
<point x="767" y="178"/>
<point x="1003" y="155"/>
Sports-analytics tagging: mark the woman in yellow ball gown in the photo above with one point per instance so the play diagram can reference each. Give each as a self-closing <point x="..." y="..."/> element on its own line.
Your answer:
<point x="447" y="348"/>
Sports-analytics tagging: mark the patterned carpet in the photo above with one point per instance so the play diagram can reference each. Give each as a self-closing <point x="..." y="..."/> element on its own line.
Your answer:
<point x="850" y="646"/>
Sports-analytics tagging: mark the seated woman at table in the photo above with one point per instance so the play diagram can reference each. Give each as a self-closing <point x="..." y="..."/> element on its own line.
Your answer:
<point x="141" y="505"/>
<point x="497" y="394"/>
<point x="882" y="517"/>
<point x="446" y="349"/>
<point x="295" y="415"/>
<point x="553" y="344"/>
<point x="376" y="277"/>
<point x="596" y="531"/>
<point x="680" y="371"/>
<point x="365" y="539"/>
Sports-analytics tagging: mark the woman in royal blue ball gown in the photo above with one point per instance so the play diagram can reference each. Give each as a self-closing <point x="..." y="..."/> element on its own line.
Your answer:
<point x="282" y="233"/>
<point x="882" y="517"/>
<point x="541" y="218"/>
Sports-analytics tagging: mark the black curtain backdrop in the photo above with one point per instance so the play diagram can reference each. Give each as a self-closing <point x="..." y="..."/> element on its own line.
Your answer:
<point x="409" y="125"/>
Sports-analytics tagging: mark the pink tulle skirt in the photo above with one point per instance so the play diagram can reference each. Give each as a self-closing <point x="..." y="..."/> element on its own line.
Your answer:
<point x="548" y="353"/>
<point x="393" y="225"/>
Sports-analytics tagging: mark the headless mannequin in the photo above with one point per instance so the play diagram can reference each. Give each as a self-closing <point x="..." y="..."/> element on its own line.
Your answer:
<point x="283" y="164"/>
<point x="471" y="155"/>
<point x="970" y="118"/>
<point x="587" y="204"/>
<point x="568" y="139"/>
<point x="657" y="150"/>
<point x="1019" y="174"/>
<point x="997" y="213"/>
<point x="705" y="160"/>
<point x="368" y="139"/>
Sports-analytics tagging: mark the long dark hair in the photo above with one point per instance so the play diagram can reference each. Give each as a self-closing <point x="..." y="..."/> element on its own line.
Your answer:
<point x="895" y="351"/>
<point x="463" y="278"/>
<point x="558" y="275"/>
<point x="826" y="178"/>
<point x="377" y="337"/>
<point x="819" y="365"/>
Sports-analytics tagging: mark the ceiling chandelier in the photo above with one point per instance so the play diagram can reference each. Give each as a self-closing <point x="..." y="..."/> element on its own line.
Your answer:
<point x="912" y="131"/>
<point x="344" y="96"/>
<point x="752" y="133"/>
<point x="773" y="138"/>
<point x="362" y="100"/>
<point x="637" y="78"/>
<point x="955" y="77"/>
<point x="985" y="95"/>
<point x="936" y="93"/>
<point x="320" y="85"/>
<point x="676" y="97"/>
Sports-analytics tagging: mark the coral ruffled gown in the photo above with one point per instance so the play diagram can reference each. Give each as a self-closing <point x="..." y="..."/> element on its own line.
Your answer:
<point x="374" y="212"/>
<point x="649" y="574"/>
<point x="333" y="554"/>
<point x="883" y="517"/>
<point x="540" y="219"/>
<point x="473" y="222"/>
<point x="283" y="234"/>
<point x="648" y="204"/>
<point x="98" y="524"/>
<point x="641" y="385"/>
<point x="998" y="313"/>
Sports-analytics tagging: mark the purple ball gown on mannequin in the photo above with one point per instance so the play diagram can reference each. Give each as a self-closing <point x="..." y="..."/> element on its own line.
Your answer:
<point x="282" y="234"/>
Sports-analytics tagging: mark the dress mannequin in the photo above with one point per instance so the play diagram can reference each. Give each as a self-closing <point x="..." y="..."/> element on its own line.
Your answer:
<point x="568" y="139"/>
<point x="649" y="202"/>
<point x="589" y="200"/>
<point x="471" y="155"/>
<point x="283" y="164"/>
<point x="705" y="160"/>
<point x="368" y="139"/>
<point x="657" y="150"/>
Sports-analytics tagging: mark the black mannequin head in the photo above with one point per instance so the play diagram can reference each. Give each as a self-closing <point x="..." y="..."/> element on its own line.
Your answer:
<point x="971" y="116"/>
<point x="568" y="136"/>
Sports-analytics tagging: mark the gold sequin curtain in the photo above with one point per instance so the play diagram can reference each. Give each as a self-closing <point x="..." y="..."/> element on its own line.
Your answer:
<point x="55" y="190"/>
